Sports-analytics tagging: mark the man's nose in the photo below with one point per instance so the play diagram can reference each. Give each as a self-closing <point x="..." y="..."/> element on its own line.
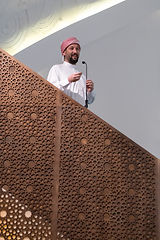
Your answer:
<point x="75" y="50"/>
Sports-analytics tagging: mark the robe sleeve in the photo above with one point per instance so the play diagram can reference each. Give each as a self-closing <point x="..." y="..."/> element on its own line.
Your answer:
<point x="54" y="78"/>
<point x="91" y="96"/>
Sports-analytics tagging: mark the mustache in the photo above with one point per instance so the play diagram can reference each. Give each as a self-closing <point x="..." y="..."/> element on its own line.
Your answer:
<point x="75" y="54"/>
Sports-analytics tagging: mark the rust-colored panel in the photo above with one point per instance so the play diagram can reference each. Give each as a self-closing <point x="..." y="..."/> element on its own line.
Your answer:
<point x="107" y="182"/>
<point x="64" y="172"/>
<point x="157" y="193"/>
<point x="28" y="115"/>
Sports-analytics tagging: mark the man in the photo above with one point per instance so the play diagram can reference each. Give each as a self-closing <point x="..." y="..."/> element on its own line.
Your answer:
<point x="66" y="77"/>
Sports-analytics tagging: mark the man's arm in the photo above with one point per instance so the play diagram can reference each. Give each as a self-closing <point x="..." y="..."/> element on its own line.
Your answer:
<point x="74" y="77"/>
<point x="54" y="78"/>
<point x="60" y="82"/>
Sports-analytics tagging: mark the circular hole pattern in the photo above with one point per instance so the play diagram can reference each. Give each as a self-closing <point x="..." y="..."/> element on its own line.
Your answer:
<point x="106" y="217"/>
<point x="107" y="191"/>
<point x="131" y="167"/>
<point x="7" y="163"/>
<point x="131" y="192"/>
<point x="34" y="116"/>
<point x="81" y="216"/>
<point x="84" y="117"/>
<point x="35" y="93"/>
<point x="12" y="69"/>
<point x="131" y="218"/>
<point x="32" y="139"/>
<point x="28" y="214"/>
<point x="8" y="139"/>
<point x="83" y="165"/>
<point x="10" y="115"/>
<point x="107" y="142"/>
<point x="10" y="92"/>
<point x="82" y="190"/>
<point x="84" y="141"/>
<point x="2" y="238"/>
<point x="3" y="213"/>
<point x="31" y="164"/>
<point x="5" y="188"/>
<point x="29" y="189"/>
<point x="107" y="166"/>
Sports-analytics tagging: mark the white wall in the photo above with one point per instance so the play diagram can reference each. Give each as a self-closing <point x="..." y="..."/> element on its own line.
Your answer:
<point x="128" y="88"/>
<point x="122" y="48"/>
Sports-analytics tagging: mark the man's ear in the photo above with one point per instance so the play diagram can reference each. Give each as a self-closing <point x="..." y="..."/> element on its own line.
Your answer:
<point x="63" y="54"/>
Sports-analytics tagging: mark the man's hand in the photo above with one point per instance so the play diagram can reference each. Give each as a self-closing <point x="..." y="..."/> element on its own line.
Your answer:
<point x="74" y="77"/>
<point x="89" y="85"/>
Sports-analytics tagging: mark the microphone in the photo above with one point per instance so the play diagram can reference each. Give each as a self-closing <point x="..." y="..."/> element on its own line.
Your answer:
<point x="86" y="101"/>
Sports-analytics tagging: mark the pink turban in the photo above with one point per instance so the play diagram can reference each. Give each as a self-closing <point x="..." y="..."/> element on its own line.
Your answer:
<point x="68" y="42"/>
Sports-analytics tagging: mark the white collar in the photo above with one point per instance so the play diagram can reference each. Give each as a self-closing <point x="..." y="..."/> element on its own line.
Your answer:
<point x="69" y="64"/>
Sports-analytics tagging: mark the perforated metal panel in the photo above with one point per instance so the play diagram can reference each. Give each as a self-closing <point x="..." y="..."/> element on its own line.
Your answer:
<point x="65" y="173"/>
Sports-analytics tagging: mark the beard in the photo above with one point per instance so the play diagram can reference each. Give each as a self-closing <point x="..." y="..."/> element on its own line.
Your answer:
<point x="73" y="61"/>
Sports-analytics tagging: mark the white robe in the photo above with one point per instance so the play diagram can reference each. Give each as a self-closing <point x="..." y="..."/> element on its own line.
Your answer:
<point x="58" y="76"/>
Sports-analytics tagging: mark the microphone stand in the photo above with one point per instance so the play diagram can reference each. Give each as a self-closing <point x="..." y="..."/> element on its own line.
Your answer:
<point x="86" y="101"/>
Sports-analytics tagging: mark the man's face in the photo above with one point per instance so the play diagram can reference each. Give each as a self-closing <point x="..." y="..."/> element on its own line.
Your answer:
<point x="71" y="54"/>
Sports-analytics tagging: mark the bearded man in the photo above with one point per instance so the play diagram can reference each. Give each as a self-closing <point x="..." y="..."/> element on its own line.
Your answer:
<point x="67" y="78"/>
